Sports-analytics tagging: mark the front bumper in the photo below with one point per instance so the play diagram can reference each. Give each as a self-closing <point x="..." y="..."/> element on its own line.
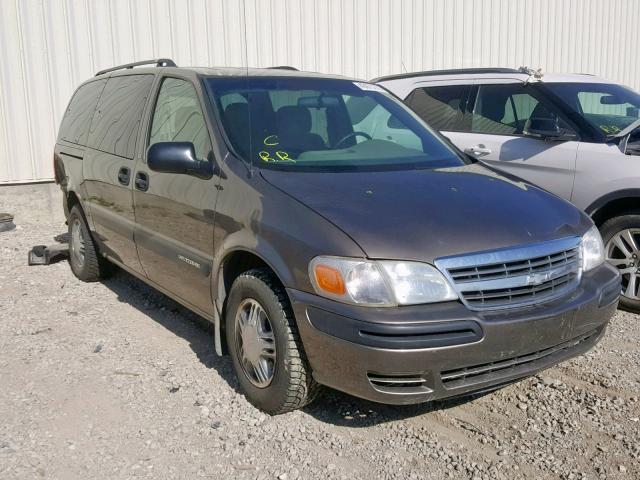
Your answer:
<point x="419" y="353"/>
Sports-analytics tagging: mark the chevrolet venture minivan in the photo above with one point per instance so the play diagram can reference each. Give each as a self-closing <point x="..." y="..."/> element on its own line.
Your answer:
<point x="576" y="135"/>
<point x="400" y="271"/>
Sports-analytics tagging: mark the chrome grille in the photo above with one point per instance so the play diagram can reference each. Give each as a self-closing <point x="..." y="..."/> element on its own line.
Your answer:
<point x="518" y="267"/>
<point x="516" y="276"/>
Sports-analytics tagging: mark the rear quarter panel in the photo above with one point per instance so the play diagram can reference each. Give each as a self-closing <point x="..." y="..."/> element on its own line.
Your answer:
<point x="69" y="160"/>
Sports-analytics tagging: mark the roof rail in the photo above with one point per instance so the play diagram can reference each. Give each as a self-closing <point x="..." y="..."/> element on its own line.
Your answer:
<point x="159" y="62"/>
<point x="454" y="71"/>
<point x="284" y="67"/>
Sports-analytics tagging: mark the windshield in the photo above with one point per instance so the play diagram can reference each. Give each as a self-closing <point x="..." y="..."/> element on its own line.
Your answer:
<point x="608" y="107"/>
<point x="310" y="123"/>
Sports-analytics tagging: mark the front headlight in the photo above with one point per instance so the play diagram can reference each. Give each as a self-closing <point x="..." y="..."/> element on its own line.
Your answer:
<point x="592" y="249"/>
<point x="378" y="283"/>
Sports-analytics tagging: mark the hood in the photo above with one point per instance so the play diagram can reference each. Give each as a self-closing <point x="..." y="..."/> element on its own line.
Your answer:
<point x="426" y="214"/>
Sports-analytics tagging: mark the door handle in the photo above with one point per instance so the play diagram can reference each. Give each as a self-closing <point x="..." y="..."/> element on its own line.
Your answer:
<point x="123" y="175"/>
<point x="142" y="181"/>
<point x="478" y="150"/>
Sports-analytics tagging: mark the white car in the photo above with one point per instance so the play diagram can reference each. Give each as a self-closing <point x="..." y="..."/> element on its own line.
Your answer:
<point x="575" y="135"/>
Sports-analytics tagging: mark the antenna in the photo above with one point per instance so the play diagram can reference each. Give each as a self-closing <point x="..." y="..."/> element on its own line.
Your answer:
<point x="403" y="67"/>
<point x="246" y="60"/>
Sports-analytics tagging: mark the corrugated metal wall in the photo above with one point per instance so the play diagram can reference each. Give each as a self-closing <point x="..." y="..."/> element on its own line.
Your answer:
<point x="48" y="47"/>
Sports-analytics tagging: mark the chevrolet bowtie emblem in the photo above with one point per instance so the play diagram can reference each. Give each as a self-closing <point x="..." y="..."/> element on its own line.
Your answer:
<point x="538" y="278"/>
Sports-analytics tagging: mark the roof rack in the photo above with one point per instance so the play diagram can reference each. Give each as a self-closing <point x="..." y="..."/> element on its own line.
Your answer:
<point x="534" y="75"/>
<point x="159" y="62"/>
<point x="284" y="67"/>
<point x="454" y="71"/>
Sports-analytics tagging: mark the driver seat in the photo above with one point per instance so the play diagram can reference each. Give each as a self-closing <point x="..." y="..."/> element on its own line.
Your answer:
<point x="294" y="130"/>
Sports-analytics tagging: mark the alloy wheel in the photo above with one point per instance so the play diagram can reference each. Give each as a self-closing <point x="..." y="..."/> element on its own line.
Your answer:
<point x="623" y="252"/>
<point x="255" y="343"/>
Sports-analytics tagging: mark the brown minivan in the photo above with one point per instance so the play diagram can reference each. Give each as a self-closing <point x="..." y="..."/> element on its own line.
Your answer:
<point x="324" y="249"/>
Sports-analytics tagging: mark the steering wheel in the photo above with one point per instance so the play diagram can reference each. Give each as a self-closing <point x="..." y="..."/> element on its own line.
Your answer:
<point x="351" y="135"/>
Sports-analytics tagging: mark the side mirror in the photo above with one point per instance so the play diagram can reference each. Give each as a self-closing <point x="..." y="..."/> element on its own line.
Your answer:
<point x="547" y="129"/>
<point x="177" y="157"/>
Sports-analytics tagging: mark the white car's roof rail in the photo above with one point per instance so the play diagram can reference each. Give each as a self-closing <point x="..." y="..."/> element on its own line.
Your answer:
<point x="454" y="71"/>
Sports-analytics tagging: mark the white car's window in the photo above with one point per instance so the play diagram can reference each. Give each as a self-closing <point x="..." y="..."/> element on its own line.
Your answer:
<point x="509" y="109"/>
<point x="442" y="107"/>
<point x="609" y="107"/>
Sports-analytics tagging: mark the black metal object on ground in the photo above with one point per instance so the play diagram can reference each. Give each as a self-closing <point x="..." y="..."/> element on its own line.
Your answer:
<point x="44" y="255"/>
<point x="6" y="222"/>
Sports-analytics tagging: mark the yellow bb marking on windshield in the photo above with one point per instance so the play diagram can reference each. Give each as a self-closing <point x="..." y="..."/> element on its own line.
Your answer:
<point x="610" y="129"/>
<point x="271" y="140"/>
<point x="283" y="156"/>
<point x="280" y="155"/>
<point x="265" y="157"/>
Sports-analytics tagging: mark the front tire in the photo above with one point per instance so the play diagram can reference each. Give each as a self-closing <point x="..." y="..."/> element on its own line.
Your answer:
<point x="621" y="237"/>
<point x="265" y="347"/>
<point x="84" y="259"/>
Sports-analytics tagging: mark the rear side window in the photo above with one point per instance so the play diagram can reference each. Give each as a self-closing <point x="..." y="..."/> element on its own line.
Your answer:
<point x="178" y="117"/>
<point x="77" y="119"/>
<point x="115" y="126"/>
<point x="442" y="107"/>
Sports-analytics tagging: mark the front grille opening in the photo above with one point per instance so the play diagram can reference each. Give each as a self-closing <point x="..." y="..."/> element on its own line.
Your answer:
<point x="515" y="277"/>
<point x="463" y="377"/>
<point x="519" y="267"/>
<point x="487" y="298"/>
<point x="427" y="337"/>
<point x="399" y="384"/>
<point x="462" y="332"/>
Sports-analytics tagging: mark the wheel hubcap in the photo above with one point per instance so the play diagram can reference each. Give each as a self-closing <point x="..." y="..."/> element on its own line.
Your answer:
<point x="255" y="343"/>
<point x="623" y="252"/>
<point x="77" y="242"/>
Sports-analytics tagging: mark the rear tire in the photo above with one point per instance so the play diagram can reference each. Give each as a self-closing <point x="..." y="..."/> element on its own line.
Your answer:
<point x="265" y="348"/>
<point x="84" y="259"/>
<point x="621" y="237"/>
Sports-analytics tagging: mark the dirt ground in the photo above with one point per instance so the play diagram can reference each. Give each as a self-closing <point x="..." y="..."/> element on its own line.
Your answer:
<point x="115" y="380"/>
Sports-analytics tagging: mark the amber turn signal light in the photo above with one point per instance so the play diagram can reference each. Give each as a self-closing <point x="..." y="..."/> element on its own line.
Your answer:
<point x="330" y="280"/>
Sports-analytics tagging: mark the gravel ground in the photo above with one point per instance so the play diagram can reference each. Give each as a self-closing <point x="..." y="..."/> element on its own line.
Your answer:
<point x="115" y="380"/>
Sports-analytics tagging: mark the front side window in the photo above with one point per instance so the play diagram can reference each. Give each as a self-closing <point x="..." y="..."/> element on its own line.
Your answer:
<point x="510" y="109"/>
<point x="307" y="123"/>
<point x="442" y="107"/>
<point x="178" y="117"/>
<point x="609" y="107"/>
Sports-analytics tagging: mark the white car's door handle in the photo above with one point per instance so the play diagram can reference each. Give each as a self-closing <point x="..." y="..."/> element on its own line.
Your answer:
<point x="478" y="150"/>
